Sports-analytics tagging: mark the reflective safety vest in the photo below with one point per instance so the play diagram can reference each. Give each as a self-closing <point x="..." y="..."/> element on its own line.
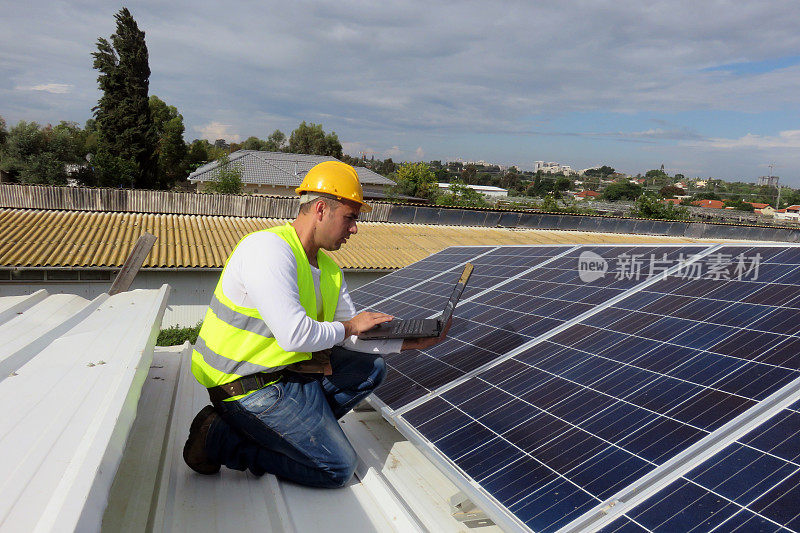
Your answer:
<point x="234" y="341"/>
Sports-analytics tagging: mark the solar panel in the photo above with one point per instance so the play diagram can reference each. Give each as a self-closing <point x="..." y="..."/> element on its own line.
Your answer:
<point x="514" y="295"/>
<point x="751" y="485"/>
<point x="631" y="372"/>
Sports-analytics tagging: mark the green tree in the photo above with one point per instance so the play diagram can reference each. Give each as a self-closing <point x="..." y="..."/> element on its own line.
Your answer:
<point x="602" y="172"/>
<point x="416" y="179"/>
<point x="172" y="151"/>
<point x="3" y="132"/>
<point x="32" y="154"/>
<point x="510" y="180"/>
<point x="622" y="191"/>
<point x="789" y="196"/>
<point x="311" y="139"/>
<point x="550" y="204"/>
<point x="651" y="207"/>
<point x="254" y="143"/>
<point x="276" y="142"/>
<point x="705" y="196"/>
<point x="126" y="133"/>
<point x="227" y="178"/>
<point x="198" y="153"/>
<point x="386" y="167"/>
<point x="562" y="184"/>
<point x="671" y="191"/>
<point x="114" y="171"/>
<point x="469" y="173"/>
<point x="739" y="205"/>
<point x="458" y="194"/>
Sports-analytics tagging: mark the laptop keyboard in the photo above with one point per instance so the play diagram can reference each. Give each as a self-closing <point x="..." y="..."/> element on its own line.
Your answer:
<point x="407" y="326"/>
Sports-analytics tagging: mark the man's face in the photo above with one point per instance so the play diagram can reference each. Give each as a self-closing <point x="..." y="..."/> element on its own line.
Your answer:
<point x="338" y="224"/>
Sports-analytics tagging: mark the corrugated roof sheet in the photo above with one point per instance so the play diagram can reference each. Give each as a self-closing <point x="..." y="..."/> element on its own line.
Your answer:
<point x="39" y="238"/>
<point x="279" y="168"/>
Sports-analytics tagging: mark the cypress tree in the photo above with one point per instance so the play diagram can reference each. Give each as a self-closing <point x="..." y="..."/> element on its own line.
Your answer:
<point x="127" y="139"/>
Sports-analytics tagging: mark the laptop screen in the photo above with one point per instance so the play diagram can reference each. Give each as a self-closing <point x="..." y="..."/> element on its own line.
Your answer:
<point x="457" y="290"/>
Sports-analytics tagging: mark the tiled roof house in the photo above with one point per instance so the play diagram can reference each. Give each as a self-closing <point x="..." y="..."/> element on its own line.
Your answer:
<point x="280" y="173"/>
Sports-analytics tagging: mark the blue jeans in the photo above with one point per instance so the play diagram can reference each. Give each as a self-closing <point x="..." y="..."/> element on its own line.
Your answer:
<point x="290" y="428"/>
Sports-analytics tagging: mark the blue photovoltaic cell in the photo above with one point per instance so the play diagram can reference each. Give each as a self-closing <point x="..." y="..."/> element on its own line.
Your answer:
<point x="522" y="304"/>
<point x="751" y="485"/>
<point x="586" y="412"/>
<point x="470" y="344"/>
<point x="433" y="266"/>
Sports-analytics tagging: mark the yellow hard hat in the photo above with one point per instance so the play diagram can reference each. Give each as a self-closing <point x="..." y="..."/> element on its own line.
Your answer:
<point x="336" y="179"/>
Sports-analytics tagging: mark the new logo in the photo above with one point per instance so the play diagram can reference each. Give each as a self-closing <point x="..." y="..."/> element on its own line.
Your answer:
<point x="591" y="267"/>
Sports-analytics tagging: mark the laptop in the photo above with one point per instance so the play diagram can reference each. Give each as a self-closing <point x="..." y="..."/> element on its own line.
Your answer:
<point x="426" y="327"/>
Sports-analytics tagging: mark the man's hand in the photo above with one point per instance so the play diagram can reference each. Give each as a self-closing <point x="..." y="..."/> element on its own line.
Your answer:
<point x="426" y="342"/>
<point x="364" y="321"/>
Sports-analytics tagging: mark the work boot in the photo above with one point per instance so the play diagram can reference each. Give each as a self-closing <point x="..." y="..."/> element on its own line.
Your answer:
<point x="194" y="451"/>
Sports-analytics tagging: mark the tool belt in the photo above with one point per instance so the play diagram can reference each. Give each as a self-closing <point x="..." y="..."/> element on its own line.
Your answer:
<point x="320" y="363"/>
<point x="242" y="385"/>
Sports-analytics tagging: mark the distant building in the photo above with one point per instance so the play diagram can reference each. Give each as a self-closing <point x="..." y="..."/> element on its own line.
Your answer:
<point x="486" y="190"/>
<point x="587" y="195"/>
<point x="785" y="214"/>
<point x="280" y="173"/>
<point x="710" y="204"/>
<point x="771" y="181"/>
<point x="552" y="168"/>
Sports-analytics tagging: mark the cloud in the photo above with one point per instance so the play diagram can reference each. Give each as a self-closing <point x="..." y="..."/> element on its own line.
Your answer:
<point x="216" y="130"/>
<point x="457" y="78"/>
<point x="785" y="139"/>
<point x="357" y="148"/>
<point x="419" y="153"/>
<point x="393" y="152"/>
<point x="664" y="134"/>
<point x="54" y="88"/>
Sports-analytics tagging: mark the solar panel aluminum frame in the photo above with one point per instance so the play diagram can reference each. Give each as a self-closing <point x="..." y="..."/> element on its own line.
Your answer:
<point x="493" y="508"/>
<point x="558" y="329"/>
<point x="651" y="483"/>
<point x="482" y="499"/>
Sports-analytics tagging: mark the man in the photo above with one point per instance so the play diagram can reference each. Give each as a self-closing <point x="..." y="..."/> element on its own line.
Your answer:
<point x="278" y="349"/>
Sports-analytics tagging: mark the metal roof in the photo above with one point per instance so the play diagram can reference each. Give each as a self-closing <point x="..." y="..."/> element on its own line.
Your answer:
<point x="278" y="168"/>
<point x="78" y="367"/>
<point x="41" y="238"/>
<point x="395" y="487"/>
<point x="98" y="446"/>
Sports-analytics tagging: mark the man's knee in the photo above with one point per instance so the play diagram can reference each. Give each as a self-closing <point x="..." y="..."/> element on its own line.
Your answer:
<point x="339" y="474"/>
<point x="379" y="371"/>
<point x="340" y="477"/>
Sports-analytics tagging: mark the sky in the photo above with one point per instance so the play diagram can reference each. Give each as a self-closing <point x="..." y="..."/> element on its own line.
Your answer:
<point x="708" y="89"/>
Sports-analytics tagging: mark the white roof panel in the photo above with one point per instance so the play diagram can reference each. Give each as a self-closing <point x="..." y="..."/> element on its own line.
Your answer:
<point x="396" y="488"/>
<point x="79" y="392"/>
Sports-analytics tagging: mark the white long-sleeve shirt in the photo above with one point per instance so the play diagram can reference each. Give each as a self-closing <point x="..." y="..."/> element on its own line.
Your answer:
<point x="262" y="274"/>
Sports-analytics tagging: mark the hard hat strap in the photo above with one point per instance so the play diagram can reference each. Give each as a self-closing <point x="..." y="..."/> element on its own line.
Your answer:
<point x="308" y="197"/>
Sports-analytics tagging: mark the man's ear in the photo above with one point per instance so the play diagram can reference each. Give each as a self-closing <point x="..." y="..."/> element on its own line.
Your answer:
<point x="319" y="208"/>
